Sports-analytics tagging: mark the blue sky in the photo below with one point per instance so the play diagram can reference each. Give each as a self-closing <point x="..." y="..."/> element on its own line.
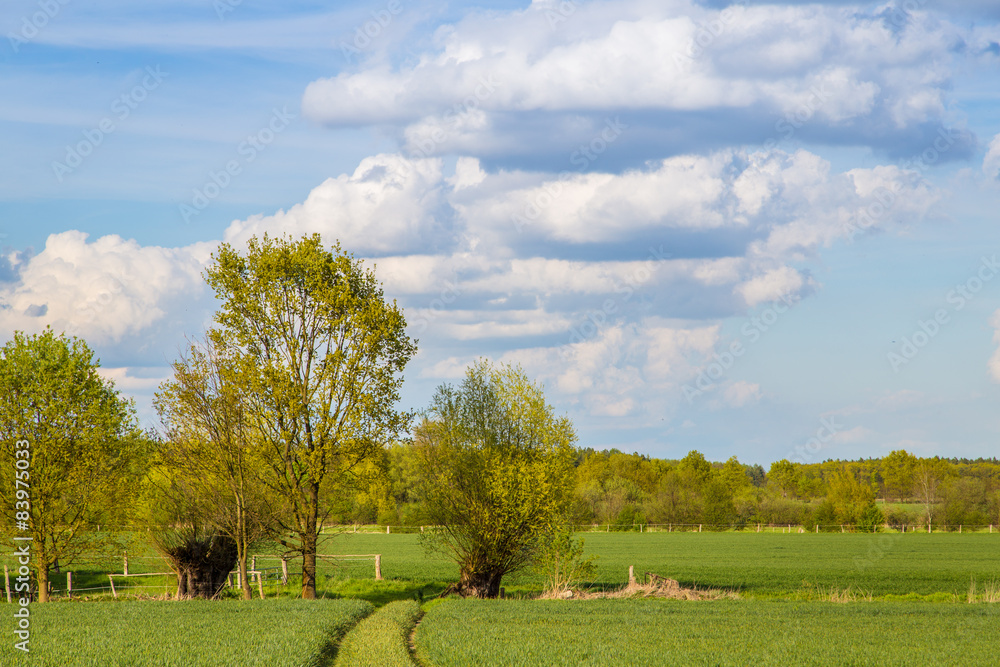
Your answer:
<point x="765" y="229"/>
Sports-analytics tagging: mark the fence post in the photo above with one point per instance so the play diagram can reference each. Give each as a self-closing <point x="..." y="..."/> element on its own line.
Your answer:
<point x="260" y="586"/>
<point x="387" y="530"/>
<point x="111" y="578"/>
<point x="69" y="585"/>
<point x="284" y="571"/>
<point x="959" y="529"/>
<point x="631" y="575"/>
<point x="6" y="581"/>
<point x="125" y="564"/>
<point x="378" y="567"/>
<point x="699" y="527"/>
<point x="253" y="562"/>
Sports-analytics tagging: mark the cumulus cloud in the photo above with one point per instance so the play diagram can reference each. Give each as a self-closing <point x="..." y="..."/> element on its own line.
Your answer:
<point x="104" y="291"/>
<point x="530" y="79"/>
<point x="389" y="203"/>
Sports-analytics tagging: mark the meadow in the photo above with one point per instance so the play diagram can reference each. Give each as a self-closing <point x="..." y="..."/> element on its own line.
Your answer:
<point x="268" y="633"/>
<point x="757" y="565"/>
<point x="723" y="632"/>
<point x="937" y="566"/>
<point x="908" y="604"/>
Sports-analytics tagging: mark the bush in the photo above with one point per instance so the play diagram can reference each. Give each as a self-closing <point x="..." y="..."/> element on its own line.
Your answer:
<point x="871" y="516"/>
<point x="383" y="638"/>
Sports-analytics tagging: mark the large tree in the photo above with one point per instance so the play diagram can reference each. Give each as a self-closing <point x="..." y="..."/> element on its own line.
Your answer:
<point x="85" y="455"/>
<point x="318" y="353"/>
<point x="209" y="463"/>
<point x="497" y="473"/>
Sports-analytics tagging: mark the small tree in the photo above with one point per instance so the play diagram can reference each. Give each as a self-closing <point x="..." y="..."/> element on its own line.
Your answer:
<point x="497" y="471"/>
<point x="211" y="445"/>
<point x="561" y="562"/>
<point x="86" y="454"/>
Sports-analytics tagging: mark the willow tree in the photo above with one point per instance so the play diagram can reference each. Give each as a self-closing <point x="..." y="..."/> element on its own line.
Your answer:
<point x="496" y="474"/>
<point x="318" y="355"/>
<point x="72" y="454"/>
<point x="208" y="467"/>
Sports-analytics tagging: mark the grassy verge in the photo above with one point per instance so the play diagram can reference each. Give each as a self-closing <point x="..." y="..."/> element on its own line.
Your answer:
<point x="667" y="632"/>
<point x="264" y="633"/>
<point x="382" y="639"/>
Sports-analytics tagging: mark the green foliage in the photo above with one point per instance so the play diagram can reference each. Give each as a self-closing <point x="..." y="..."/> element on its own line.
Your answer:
<point x="785" y="476"/>
<point x="267" y="633"/>
<point x="382" y="639"/>
<point x="319" y="355"/>
<point x="661" y="632"/>
<point x="496" y="473"/>
<point x="82" y="442"/>
<point x="561" y="562"/>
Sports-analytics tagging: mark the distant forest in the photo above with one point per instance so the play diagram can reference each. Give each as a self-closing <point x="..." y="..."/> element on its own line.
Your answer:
<point x="625" y="490"/>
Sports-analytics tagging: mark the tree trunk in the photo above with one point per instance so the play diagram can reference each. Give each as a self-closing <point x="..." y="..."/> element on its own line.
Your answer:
<point x="309" y="541"/>
<point x="43" y="583"/>
<point x="479" y="584"/>
<point x="241" y="549"/>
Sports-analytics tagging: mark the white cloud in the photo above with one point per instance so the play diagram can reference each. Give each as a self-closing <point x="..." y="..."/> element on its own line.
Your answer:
<point x="739" y="393"/>
<point x="104" y="291"/>
<point x="818" y="64"/>
<point x="388" y="204"/>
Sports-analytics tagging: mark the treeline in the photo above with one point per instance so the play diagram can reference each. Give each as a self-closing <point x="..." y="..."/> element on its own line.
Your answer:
<point x="623" y="490"/>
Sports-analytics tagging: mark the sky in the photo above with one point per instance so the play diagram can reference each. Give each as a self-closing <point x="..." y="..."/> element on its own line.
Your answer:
<point x="762" y="229"/>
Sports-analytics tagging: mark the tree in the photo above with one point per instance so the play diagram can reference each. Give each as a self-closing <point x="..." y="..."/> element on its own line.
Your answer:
<point x="318" y="355"/>
<point x="84" y="453"/>
<point x="898" y="472"/>
<point x="785" y="475"/>
<point x="209" y="463"/>
<point x="928" y="474"/>
<point x="496" y="474"/>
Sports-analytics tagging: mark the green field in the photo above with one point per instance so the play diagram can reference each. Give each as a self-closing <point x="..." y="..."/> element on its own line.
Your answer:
<point x="911" y="607"/>
<point x="267" y="633"/>
<point x="670" y="632"/>
<point x="757" y="565"/>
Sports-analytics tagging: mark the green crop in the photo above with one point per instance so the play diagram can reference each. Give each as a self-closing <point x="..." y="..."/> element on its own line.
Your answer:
<point x="671" y="632"/>
<point x="264" y="633"/>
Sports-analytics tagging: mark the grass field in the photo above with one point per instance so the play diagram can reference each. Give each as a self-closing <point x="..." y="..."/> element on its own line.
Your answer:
<point x="670" y="632"/>
<point x="757" y="565"/>
<point x="765" y="565"/>
<point x="268" y="633"/>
